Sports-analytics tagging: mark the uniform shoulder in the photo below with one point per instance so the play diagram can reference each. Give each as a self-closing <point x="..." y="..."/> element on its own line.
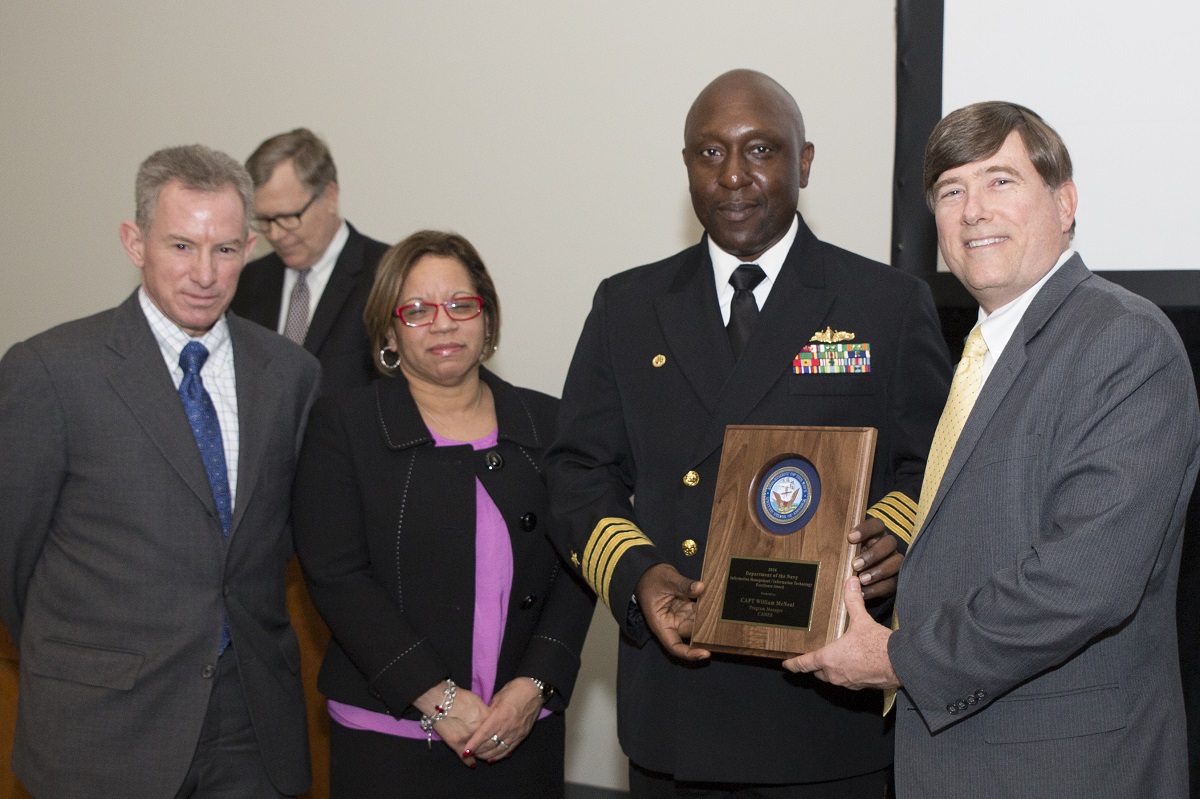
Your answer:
<point x="653" y="276"/>
<point x="860" y="267"/>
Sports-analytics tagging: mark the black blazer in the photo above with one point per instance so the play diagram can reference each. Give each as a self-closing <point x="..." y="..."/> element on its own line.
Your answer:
<point x="337" y="335"/>
<point x="385" y="530"/>
<point x="650" y="390"/>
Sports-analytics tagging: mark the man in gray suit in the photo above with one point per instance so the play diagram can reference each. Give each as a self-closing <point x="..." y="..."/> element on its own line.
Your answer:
<point x="146" y="456"/>
<point x="1036" y="644"/>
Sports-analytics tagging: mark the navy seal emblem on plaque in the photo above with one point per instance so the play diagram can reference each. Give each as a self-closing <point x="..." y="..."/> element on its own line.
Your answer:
<point x="788" y="496"/>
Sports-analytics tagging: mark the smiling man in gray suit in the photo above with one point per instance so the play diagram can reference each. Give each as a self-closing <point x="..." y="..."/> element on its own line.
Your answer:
<point x="1036" y="644"/>
<point x="146" y="456"/>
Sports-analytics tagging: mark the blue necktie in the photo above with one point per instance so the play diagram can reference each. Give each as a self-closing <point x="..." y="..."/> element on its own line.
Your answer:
<point x="202" y="416"/>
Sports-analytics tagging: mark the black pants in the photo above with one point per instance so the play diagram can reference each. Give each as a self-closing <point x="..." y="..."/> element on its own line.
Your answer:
<point x="645" y="784"/>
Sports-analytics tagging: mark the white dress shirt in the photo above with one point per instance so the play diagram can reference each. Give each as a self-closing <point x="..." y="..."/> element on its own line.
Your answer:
<point x="318" y="277"/>
<point x="216" y="374"/>
<point x="998" y="326"/>
<point x="771" y="262"/>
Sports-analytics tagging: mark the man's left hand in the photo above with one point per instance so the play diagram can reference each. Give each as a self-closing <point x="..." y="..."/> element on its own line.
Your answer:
<point x="877" y="562"/>
<point x="857" y="660"/>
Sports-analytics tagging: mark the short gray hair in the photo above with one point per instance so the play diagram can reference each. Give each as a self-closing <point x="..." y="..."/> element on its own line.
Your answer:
<point x="197" y="168"/>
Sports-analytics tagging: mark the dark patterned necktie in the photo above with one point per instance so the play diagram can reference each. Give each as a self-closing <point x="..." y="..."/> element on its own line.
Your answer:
<point x="202" y="416"/>
<point x="296" y="326"/>
<point x="743" y="311"/>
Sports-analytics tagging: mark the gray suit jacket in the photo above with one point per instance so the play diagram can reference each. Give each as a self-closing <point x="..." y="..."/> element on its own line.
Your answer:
<point x="1037" y="642"/>
<point x="114" y="575"/>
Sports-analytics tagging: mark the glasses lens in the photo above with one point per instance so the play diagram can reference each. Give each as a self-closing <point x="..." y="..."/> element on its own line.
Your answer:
<point x="288" y="221"/>
<point x="416" y="314"/>
<point x="464" y="308"/>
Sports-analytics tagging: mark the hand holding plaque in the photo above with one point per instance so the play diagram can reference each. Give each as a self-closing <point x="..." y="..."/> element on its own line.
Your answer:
<point x="777" y="552"/>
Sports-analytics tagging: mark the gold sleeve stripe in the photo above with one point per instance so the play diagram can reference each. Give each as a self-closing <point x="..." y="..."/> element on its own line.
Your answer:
<point x="611" y="538"/>
<point x="897" y="512"/>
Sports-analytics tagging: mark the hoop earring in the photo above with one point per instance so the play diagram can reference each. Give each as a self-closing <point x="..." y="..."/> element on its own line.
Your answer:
<point x="391" y="367"/>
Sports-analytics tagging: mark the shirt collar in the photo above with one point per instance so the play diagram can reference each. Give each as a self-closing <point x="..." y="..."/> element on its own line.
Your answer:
<point x="771" y="261"/>
<point x="998" y="326"/>
<point x="171" y="339"/>
<point x="325" y="263"/>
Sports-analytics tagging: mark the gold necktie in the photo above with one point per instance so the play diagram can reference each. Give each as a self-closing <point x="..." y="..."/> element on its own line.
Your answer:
<point x="968" y="379"/>
<point x="964" y="390"/>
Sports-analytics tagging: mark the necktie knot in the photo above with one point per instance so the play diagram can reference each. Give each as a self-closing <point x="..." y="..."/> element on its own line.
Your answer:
<point x="192" y="358"/>
<point x="746" y="277"/>
<point x="975" y="347"/>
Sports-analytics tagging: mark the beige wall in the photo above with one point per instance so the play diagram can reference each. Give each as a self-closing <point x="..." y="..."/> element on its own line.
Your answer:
<point x="546" y="132"/>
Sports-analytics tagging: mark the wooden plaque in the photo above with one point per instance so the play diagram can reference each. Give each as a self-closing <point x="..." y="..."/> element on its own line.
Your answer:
<point x="777" y="553"/>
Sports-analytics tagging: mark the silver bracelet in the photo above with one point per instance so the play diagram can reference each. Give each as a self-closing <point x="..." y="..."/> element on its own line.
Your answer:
<point x="546" y="691"/>
<point x="440" y="711"/>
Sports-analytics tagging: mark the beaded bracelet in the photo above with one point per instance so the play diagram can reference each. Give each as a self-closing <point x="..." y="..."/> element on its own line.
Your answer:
<point x="440" y="711"/>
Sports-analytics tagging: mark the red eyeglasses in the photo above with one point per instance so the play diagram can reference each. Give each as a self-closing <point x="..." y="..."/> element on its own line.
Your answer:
<point x="420" y="314"/>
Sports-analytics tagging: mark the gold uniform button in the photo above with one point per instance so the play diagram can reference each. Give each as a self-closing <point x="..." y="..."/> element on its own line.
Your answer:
<point x="658" y="360"/>
<point x="691" y="479"/>
<point x="689" y="547"/>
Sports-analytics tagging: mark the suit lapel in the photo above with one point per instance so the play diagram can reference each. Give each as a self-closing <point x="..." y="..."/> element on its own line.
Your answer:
<point x="1005" y="373"/>
<point x="141" y="380"/>
<point x="342" y="281"/>
<point x="266" y="303"/>
<point x="691" y="323"/>
<point x="795" y="309"/>
<point x="257" y="403"/>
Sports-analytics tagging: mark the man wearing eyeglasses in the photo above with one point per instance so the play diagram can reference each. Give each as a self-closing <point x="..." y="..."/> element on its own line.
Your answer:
<point x="314" y="287"/>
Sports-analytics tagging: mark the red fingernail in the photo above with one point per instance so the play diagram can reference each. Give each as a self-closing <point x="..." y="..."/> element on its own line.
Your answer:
<point x="466" y="753"/>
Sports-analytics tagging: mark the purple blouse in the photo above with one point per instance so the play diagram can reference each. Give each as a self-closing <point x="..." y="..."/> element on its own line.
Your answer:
<point x="492" y="587"/>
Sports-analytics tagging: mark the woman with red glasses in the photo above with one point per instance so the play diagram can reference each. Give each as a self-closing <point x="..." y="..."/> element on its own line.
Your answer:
<point x="420" y="512"/>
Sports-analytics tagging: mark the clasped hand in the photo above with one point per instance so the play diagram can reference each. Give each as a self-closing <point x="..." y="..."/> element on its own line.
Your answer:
<point x="475" y="730"/>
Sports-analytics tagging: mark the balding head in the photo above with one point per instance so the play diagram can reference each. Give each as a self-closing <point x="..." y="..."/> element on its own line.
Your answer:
<point x="747" y="159"/>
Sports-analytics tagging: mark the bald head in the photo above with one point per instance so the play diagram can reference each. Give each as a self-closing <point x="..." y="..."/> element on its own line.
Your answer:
<point x="747" y="160"/>
<point x="746" y="84"/>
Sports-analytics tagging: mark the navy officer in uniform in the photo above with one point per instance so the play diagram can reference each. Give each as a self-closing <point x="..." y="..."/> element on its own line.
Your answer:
<point x="670" y="354"/>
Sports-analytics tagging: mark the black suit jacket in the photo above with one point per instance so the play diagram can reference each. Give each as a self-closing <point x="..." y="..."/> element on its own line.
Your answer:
<point x="385" y="530"/>
<point x="337" y="335"/>
<point x="632" y="422"/>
